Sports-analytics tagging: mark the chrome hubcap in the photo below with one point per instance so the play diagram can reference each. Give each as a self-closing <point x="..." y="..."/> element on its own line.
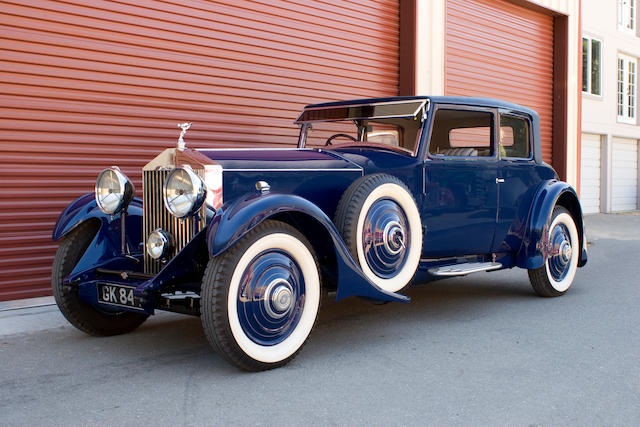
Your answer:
<point x="561" y="252"/>
<point x="393" y="237"/>
<point x="565" y="251"/>
<point x="385" y="238"/>
<point x="279" y="297"/>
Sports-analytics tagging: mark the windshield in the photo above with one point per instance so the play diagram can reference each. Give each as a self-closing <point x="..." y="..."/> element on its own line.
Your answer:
<point x="400" y="134"/>
<point x="394" y="125"/>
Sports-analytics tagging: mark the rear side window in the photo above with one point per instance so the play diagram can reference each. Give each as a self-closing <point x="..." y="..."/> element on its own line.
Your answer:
<point x="461" y="133"/>
<point x="515" y="137"/>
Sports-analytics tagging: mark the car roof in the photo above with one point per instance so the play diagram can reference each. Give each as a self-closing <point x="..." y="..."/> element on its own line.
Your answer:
<point x="450" y="100"/>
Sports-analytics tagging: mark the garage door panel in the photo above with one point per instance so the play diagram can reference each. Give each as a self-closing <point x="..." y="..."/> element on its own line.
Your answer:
<point x="501" y="50"/>
<point x="624" y="174"/>
<point x="84" y="85"/>
<point x="590" y="172"/>
<point x="195" y="34"/>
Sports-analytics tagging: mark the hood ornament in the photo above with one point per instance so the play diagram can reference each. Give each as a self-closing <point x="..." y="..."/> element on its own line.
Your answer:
<point x="185" y="127"/>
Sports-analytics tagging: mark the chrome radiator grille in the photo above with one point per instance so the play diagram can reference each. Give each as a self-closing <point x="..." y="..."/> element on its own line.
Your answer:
<point x="157" y="216"/>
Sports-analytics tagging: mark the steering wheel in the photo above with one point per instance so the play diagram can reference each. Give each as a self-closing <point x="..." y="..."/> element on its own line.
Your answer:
<point x="340" y="135"/>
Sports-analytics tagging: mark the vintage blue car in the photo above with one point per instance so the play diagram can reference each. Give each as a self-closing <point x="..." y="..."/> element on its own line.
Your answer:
<point x="378" y="194"/>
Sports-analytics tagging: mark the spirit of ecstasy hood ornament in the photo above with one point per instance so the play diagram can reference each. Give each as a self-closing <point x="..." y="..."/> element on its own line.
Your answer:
<point x="185" y="127"/>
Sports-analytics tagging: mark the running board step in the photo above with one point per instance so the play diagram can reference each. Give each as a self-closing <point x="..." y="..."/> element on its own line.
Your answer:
<point x="464" y="268"/>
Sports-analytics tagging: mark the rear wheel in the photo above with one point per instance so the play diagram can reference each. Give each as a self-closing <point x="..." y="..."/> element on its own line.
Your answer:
<point x="83" y="316"/>
<point x="261" y="298"/>
<point x="556" y="275"/>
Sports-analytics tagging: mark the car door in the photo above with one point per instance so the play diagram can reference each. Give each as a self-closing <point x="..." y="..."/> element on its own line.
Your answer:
<point x="518" y="179"/>
<point x="460" y="202"/>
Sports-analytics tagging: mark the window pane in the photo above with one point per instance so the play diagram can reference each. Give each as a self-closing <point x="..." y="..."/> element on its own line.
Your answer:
<point x="596" y="53"/>
<point x="585" y="65"/>
<point x="620" y="87"/>
<point x="627" y="89"/>
<point x="462" y="133"/>
<point x="514" y="137"/>
<point x="626" y="15"/>
<point x="631" y="94"/>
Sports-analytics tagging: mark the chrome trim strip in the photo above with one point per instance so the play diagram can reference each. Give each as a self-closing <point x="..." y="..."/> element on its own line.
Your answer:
<point x="293" y="170"/>
<point x="421" y="107"/>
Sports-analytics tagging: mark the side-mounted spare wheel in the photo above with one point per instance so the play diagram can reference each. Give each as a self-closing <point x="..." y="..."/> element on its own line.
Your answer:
<point x="380" y="223"/>
<point x="563" y="246"/>
<point x="260" y="299"/>
<point x="86" y="317"/>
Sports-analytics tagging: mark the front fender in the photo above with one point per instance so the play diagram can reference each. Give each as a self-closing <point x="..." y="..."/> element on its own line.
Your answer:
<point x="85" y="208"/>
<point x="237" y="219"/>
<point x="551" y="193"/>
<point x="106" y="248"/>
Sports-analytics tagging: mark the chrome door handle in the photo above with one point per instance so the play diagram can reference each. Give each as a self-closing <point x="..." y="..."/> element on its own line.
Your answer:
<point x="499" y="180"/>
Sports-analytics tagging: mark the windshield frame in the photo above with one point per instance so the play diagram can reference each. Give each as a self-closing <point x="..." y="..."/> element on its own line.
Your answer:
<point x="415" y="109"/>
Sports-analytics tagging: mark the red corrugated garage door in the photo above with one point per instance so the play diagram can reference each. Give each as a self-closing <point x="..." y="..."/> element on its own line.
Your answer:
<point x="501" y="50"/>
<point x="85" y="85"/>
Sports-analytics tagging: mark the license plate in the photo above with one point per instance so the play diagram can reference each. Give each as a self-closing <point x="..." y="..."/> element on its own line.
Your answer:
<point x="117" y="295"/>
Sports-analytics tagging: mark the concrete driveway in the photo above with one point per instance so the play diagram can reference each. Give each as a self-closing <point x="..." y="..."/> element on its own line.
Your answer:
<point x="479" y="350"/>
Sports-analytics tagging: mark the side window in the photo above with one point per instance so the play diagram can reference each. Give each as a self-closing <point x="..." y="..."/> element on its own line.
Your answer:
<point x="515" y="138"/>
<point x="461" y="133"/>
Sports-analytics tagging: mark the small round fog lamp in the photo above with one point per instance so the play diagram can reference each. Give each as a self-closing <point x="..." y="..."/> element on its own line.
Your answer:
<point x="159" y="244"/>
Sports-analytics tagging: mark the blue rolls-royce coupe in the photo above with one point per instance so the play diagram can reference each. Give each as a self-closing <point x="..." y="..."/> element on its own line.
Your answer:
<point x="377" y="195"/>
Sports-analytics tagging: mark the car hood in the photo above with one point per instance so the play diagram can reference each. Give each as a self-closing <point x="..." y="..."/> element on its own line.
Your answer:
<point x="277" y="159"/>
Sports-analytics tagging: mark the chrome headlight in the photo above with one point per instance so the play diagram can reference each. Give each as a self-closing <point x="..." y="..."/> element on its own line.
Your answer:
<point x="184" y="192"/>
<point x="114" y="191"/>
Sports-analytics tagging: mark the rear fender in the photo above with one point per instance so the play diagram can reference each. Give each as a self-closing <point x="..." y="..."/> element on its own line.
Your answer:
<point x="237" y="219"/>
<point x="552" y="193"/>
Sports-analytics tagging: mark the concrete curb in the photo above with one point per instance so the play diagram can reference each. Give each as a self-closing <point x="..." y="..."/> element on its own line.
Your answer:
<point x="26" y="303"/>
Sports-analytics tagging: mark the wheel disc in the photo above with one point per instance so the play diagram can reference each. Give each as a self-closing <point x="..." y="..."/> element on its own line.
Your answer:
<point x="561" y="252"/>
<point x="385" y="238"/>
<point x="270" y="298"/>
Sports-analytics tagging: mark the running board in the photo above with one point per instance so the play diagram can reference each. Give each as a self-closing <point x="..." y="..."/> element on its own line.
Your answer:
<point x="464" y="268"/>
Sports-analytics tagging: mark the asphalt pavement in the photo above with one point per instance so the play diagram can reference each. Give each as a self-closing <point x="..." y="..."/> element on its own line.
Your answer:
<point x="477" y="350"/>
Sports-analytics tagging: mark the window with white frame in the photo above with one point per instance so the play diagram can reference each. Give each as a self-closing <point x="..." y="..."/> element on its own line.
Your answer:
<point x="627" y="15"/>
<point x="591" y="66"/>
<point x="627" y="89"/>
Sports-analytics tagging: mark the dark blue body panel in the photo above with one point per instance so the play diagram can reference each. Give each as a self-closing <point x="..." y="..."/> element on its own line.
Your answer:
<point x="84" y="208"/>
<point x="106" y="248"/>
<point x="550" y="193"/>
<point x="316" y="175"/>
<point x="240" y="217"/>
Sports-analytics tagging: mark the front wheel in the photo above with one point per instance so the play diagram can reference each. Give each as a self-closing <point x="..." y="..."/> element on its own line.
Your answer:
<point x="556" y="275"/>
<point x="261" y="298"/>
<point x="87" y="318"/>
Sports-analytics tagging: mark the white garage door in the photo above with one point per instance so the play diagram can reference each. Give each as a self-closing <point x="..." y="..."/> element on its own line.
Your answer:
<point x="590" y="173"/>
<point x="624" y="177"/>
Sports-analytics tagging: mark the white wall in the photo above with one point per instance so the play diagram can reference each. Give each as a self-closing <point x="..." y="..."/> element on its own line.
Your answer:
<point x="599" y="113"/>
